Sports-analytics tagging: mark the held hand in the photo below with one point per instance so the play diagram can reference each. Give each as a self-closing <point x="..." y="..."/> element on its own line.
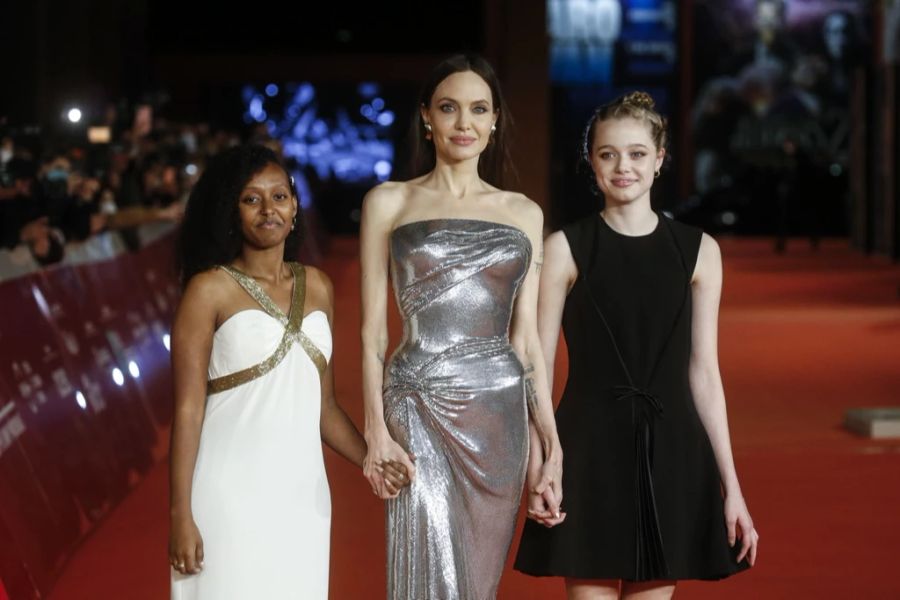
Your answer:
<point x="185" y="547"/>
<point x="383" y="452"/>
<point x="394" y="475"/>
<point x="740" y="527"/>
<point x="545" y="495"/>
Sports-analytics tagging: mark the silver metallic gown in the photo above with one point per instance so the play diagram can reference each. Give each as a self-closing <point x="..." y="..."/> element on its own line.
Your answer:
<point x="454" y="397"/>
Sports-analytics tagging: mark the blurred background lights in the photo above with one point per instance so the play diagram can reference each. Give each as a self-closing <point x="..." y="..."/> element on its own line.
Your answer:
<point x="386" y="118"/>
<point x="382" y="170"/>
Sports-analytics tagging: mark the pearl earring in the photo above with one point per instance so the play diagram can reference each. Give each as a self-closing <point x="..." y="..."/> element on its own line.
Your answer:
<point x="428" y="127"/>
<point x="493" y="128"/>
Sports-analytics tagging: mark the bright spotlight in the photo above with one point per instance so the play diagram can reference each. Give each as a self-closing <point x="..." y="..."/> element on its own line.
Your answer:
<point x="74" y="115"/>
<point x="118" y="377"/>
<point x="133" y="369"/>
<point x="81" y="400"/>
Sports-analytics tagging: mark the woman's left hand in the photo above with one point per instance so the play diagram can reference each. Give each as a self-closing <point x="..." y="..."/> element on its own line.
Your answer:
<point x="740" y="527"/>
<point x="545" y="495"/>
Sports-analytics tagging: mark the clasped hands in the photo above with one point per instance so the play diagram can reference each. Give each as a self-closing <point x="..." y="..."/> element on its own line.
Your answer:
<point x="545" y="495"/>
<point x="387" y="466"/>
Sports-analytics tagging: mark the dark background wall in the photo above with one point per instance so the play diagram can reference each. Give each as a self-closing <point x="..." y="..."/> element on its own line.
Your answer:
<point x="97" y="52"/>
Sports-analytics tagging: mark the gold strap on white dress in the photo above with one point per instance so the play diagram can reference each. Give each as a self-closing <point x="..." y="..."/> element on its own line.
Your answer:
<point x="292" y="323"/>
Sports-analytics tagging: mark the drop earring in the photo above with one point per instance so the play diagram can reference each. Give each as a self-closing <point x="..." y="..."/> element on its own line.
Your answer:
<point x="427" y="131"/>
<point x="294" y="222"/>
<point x="656" y="175"/>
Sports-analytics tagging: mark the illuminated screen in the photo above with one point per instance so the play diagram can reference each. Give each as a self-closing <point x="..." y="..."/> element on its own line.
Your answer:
<point x="602" y="42"/>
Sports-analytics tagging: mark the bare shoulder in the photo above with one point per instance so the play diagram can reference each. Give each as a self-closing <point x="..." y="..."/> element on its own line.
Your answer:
<point x="557" y="245"/>
<point x="319" y="289"/>
<point x="709" y="259"/>
<point x="527" y="211"/>
<point x="386" y="197"/>
<point x="709" y="249"/>
<point x="521" y="202"/>
<point x="211" y="285"/>
<point x="384" y="201"/>
<point x="206" y="293"/>
<point x="558" y="260"/>
<point x="318" y="281"/>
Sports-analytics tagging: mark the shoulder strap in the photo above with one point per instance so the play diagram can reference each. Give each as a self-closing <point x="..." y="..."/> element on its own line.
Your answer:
<point x="292" y="331"/>
<point x="296" y="322"/>
<point x="257" y="293"/>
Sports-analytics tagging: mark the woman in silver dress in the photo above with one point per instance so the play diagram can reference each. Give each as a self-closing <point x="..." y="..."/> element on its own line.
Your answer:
<point x="457" y="392"/>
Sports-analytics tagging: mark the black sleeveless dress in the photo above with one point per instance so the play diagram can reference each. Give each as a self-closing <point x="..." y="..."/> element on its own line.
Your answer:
<point x="640" y="482"/>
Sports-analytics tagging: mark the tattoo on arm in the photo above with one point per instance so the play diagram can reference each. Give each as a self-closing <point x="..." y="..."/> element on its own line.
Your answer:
<point x="531" y="399"/>
<point x="540" y="260"/>
<point x="530" y="394"/>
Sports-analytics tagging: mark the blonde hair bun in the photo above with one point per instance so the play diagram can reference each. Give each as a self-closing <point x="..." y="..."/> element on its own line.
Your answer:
<point x="639" y="100"/>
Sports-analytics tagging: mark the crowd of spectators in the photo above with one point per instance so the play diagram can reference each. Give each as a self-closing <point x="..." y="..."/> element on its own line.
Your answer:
<point x="60" y="192"/>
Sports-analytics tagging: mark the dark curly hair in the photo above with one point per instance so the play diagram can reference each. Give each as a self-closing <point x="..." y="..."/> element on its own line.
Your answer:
<point x="494" y="164"/>
<point x="210" y="233"/>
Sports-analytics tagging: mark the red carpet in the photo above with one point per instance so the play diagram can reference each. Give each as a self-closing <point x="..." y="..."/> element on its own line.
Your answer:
<point x="803" y="337"/>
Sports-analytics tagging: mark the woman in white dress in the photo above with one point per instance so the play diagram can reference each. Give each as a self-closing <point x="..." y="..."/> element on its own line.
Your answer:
<point x="250" y="504"/>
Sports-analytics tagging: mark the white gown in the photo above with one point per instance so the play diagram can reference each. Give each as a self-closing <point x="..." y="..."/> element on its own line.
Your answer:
<point x="260" y="496"/>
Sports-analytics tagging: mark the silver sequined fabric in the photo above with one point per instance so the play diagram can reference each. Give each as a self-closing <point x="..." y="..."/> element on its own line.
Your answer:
<point x="454" y="397"/>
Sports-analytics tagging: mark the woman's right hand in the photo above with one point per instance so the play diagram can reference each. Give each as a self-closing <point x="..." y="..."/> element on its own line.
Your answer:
<point x="545" y="494"/>
<point x="185" y="547"/>
<point x="382" y="451"/>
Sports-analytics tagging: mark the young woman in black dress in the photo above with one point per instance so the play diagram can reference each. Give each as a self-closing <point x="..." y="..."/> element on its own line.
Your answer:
<point x="651" y="491"/>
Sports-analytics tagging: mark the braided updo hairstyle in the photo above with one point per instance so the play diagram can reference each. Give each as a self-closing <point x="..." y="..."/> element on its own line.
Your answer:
<point x="636" y="105"/>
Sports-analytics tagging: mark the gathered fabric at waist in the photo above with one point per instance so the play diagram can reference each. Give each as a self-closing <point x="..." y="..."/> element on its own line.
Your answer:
<point x="489" y="361"/>
<point x="424" y="350"/>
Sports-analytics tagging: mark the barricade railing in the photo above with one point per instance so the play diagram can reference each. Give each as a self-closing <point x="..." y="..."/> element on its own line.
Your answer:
<point x="85" y="394"/>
